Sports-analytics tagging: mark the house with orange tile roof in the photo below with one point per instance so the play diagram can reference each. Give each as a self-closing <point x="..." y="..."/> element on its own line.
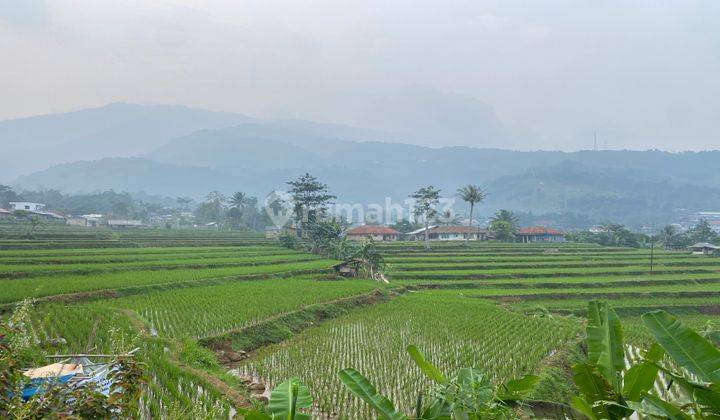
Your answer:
<point x="539" y="234"/>
<point x="377" y="232"/>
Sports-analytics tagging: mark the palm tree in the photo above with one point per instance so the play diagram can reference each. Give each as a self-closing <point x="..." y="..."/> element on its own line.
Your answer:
<point x="668" y="233"/>
<point x="238" y="200"/>
<point x="471" y="194"/>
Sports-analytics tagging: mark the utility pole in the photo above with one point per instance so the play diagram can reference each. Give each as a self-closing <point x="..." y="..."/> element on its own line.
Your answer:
<point x="652" y="252"/>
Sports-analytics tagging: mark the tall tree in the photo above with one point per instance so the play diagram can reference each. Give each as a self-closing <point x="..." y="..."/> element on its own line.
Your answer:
<point x="7" y="195"/>
<point x="213" y="208"/>
<point x="702" y="232"/>
<point x="310" y="199"/>
<point x="448" y="218"/>
<point x="238" y="200"/>
<point x="252" y="215"/>
<point x="426" y="200"/>
<point x="504" y="225"/>
<point x="471" y="194"/>
<point x="184" y="202"/>
<point x="668" y="234"/>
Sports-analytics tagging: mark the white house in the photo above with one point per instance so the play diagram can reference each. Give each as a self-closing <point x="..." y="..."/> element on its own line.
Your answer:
<point x="451" y="233"/>
<point x="22" y="205"/>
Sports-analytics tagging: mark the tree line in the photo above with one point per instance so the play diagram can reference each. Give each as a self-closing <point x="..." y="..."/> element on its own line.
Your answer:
<point x="238" y="211"/>
<point x="613" y="234"/>
<point x="311" y="200"/>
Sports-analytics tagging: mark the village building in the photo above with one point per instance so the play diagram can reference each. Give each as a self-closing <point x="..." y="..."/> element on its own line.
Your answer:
<point x="376" y="232"/>
<point x="51" y="216"/>
<point x="76" y="221"/>
<point x="450" y="233"/>
<point x="36" y="209"/>
<point x="92" y="220"/>
<point x="539" y="234"/>
<point x="5" y="214"/>
<point x="27" y="206"/>
<point x="704" y="248"/>
<point x="126" y="224"/>
<point x="274" y="232"/>
<point x="86" y="220"/>
<point x="348" y="268"/>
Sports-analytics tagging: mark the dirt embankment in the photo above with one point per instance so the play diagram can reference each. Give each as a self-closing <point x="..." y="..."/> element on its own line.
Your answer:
<point x="233" y="346"/>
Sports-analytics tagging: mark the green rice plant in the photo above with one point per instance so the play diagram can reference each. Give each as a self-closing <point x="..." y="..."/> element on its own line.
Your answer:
<point x="454" y="331"/>
<point x="16" y="289"/>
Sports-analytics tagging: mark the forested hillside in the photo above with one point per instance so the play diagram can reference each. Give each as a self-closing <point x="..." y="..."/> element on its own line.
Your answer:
<point x="366" y="166"/>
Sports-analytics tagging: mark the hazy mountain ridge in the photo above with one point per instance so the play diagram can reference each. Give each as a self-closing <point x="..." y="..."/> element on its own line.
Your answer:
<point x="259" y="156"/>
<point x="601" y="195"/>
<point x="115" y="130"/>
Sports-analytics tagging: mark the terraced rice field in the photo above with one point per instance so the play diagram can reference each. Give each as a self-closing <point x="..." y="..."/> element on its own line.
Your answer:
<point x="507" y="309"/>
<point x="165" y="295"/>
<point x="453" y="331"/>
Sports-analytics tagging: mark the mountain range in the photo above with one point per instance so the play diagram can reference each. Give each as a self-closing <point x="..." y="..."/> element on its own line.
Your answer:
<point x="177" y="151"/>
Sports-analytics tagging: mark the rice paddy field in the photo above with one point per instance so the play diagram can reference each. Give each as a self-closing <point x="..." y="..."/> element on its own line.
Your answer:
<point x="209" y="308"/>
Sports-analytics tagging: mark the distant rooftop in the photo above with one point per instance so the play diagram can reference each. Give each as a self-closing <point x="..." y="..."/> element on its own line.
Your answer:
<point x="372" y="230"/>
<point x="705" y="245"/>
<point x="539" y="230"/>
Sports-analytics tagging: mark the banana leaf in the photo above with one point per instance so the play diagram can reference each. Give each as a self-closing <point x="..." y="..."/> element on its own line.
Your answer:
<point x="638" y="380"/>
<point x="669" y="410"/>
<point x="426" y="367"/>
<point x="287" y="398"/>
<point x="362" y="388"/>
<point x="605" y="342"/>
<point x="685" y="346"/>
<point x="517" y="389"/>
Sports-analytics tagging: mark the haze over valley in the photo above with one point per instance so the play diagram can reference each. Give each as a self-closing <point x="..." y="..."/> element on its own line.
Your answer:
<point x="177" y="151"/>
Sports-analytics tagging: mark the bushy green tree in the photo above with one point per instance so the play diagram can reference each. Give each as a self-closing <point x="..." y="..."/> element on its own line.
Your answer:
<point x="404" y="226"/>
<point x="673" y="239"/>
<point x="504" y="225"/>
<point x="610" y="234"/>
<point x="7" y="195"/>
<point x="213" y="209"/>
<point x="310" y="199"/>
<point x="426" y="201"/>
<point x="702" y="232"/>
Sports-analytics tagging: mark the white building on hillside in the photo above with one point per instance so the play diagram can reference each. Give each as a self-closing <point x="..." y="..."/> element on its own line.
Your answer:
<point x="22" y="205"/>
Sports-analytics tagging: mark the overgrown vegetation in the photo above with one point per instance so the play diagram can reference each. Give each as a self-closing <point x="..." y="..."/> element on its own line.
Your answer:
<point x="18" y="351"/>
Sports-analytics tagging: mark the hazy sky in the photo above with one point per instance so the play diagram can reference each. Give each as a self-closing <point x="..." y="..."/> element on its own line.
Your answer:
<point x="645" y="74"/>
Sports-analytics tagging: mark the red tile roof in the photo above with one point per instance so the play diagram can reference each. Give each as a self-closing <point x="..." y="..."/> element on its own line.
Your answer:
<point x="2" y="210"/>
<point x="372" y="230"/>
<point x="456" y="229"/>
<point x="539" y="230"/>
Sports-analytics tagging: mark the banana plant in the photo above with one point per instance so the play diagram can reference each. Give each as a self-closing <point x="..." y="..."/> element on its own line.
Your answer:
<point x="700" y="360"/>
<point x="608" y="391"/>
<point x="468" y="395"/>
<point x="285" y="403"/>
